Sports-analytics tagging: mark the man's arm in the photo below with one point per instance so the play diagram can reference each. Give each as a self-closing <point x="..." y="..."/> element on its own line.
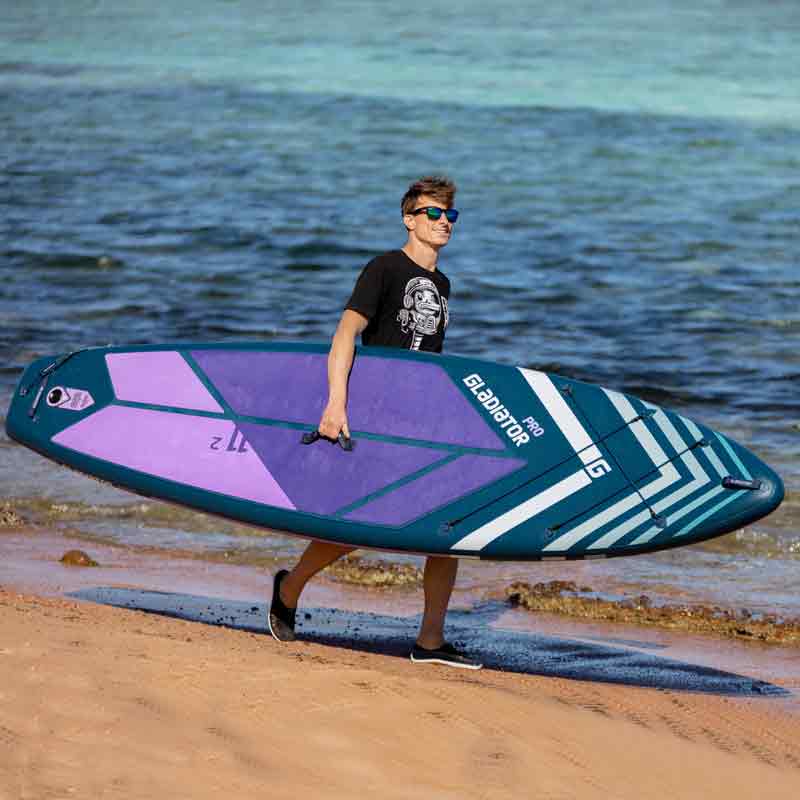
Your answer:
<point x="340" y="360"/>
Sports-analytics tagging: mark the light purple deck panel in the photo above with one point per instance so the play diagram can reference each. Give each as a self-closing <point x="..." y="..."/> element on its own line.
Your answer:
<point x="158" y="377"/>
<point x="437" y="488"/>
<point x="387" y="396"/>
<point x="177" y="447"/>
<point x="321" y="478"/>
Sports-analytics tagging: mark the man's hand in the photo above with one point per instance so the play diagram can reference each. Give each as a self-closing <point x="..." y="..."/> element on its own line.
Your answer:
<point x="334" y="421"/>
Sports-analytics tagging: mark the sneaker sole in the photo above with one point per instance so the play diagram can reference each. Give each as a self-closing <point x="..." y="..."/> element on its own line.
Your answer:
<point x="445" y="663"/>
<point x="275" y="635"/>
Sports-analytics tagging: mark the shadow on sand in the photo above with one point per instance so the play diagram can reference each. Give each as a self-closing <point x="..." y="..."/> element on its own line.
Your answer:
<point x="607" y="661"/>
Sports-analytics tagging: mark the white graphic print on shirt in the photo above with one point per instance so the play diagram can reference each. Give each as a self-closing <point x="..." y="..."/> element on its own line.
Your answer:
<point x="422" y="310"/>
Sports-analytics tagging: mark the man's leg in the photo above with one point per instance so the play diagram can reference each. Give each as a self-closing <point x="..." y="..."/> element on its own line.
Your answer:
<point x="439" y="579"/>
<point x="431" y="647"/>
<point x="288" y="586"/>
<point x="316" y="557"/>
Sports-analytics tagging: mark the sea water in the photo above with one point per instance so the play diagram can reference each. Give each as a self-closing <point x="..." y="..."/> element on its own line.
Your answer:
<point x="220" y="171"/>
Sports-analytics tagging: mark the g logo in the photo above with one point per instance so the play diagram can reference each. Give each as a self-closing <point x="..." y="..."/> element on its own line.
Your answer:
<point x="598" y="468"/>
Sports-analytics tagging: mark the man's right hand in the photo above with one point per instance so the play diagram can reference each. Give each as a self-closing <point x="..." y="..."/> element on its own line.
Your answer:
<point x="333" y="422"/>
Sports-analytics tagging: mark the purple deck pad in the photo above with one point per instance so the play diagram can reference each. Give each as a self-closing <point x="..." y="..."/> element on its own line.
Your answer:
<point x="387" y="396"/>
<point x="428" y="492"/>
<point x="321" y="478"/>
<point x="202" y="452"/>
<point x="160" y="378"/>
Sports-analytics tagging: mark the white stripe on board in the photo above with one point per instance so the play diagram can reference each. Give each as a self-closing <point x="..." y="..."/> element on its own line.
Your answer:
<point x="668" y="475"/>
<point x="703" y="517"/>
<point x="562" y="414"/>
<point x="699" y="479"/>
<point x="709" y="452"/>
<point x="675" y="439"/>
<point x="579" y="440"/>
<point x="593" y="523"/>
<point x="622" y="404"/>
<point x="732" y="453"/>
<point x="617" y="533"/>
<point x="691" y="427"/>
<point x="704" y="498"/>
<point x="714" y="459"/>
<point x="720" y="468"/>
<point x="487" y="533"/>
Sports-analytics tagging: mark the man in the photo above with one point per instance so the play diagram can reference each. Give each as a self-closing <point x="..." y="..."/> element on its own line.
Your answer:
<point x="400" y="300"/>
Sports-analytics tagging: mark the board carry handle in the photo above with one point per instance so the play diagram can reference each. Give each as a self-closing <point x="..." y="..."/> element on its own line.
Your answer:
<point x="345" y="442"/>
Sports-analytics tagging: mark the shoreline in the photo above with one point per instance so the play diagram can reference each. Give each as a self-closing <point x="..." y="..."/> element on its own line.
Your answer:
<point x="32" y="563"/>
<point x="566" y="592"/>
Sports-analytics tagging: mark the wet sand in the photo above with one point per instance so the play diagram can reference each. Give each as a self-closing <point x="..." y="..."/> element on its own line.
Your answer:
<point x="148" y="677"/>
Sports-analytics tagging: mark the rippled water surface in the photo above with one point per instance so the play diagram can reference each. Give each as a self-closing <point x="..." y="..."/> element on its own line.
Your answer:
<point x="628" y="181"/>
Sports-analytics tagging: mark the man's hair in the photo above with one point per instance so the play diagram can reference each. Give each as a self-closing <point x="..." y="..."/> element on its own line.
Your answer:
<point x="436" y="186"/>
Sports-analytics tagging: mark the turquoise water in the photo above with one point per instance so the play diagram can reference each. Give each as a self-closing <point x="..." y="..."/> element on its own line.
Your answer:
<point x="628" y="179"/>
<point x="725" y="59"/>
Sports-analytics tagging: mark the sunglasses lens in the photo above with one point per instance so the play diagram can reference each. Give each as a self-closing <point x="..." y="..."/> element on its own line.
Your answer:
<point x="451" y="214"/>
<point x="433" y="213"/>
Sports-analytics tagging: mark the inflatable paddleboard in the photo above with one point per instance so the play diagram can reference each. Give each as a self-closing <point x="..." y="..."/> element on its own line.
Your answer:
<point x="448" y="456"/>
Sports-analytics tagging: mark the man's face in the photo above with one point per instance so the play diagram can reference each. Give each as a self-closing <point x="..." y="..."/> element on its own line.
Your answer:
<point x="435" y="233"/>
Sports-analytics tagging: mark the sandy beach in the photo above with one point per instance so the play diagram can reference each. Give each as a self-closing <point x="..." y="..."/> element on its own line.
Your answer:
<point x="103" y="701"/>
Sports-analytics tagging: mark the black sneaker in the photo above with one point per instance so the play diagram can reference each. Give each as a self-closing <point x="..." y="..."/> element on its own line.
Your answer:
<point x="446" y="654"/>
<point x="280" y="618"/>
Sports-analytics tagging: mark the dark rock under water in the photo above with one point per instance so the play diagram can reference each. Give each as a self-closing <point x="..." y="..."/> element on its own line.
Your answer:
<point x="564" y="597"/>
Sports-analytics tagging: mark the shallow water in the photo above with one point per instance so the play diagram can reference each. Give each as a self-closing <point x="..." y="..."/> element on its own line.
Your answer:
<point x="628" y="188"/>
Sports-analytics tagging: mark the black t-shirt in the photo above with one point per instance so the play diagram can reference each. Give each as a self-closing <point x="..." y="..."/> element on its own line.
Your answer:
<point x="406" y="305"/>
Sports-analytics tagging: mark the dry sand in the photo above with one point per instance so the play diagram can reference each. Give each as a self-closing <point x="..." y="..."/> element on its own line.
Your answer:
<point x="100" y="702"/>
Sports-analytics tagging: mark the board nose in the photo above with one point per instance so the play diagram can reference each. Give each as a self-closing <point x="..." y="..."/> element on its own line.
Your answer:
<point x="761" y="488"/>
<point x="771" y="490"/>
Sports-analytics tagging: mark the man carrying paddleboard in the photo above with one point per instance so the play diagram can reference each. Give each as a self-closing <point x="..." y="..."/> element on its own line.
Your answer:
<point x="399" y="300"/>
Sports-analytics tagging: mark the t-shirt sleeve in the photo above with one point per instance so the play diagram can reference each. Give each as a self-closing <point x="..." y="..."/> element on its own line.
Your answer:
<point x="366" y="296"/>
